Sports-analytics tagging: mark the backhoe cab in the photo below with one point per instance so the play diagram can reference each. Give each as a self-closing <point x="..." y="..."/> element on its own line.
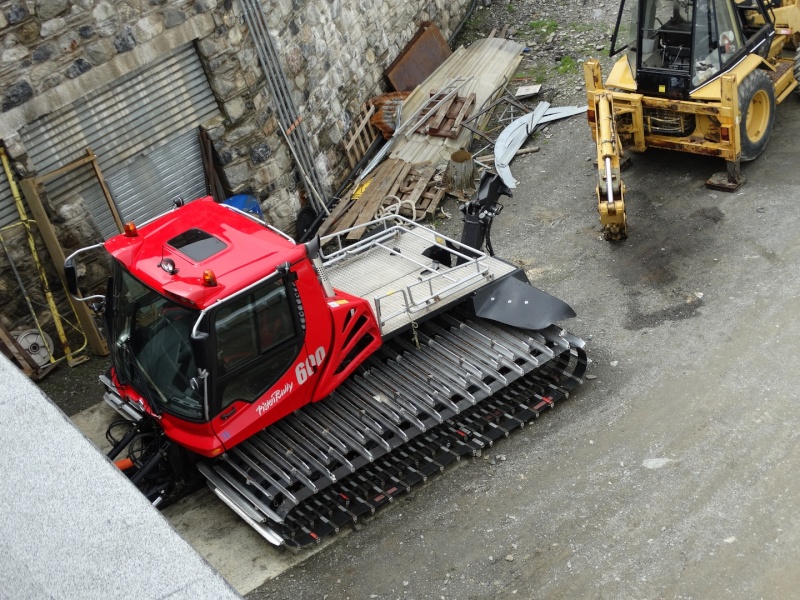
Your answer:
<point x="698" y="76"/>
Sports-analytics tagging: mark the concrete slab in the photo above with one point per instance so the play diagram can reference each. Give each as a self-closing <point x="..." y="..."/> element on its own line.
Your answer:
<point x="72" y="526"/>
<point x="229" y="545"/>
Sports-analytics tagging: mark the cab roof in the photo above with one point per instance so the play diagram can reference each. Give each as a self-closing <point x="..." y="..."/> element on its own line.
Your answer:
<point x="199" y="236"/>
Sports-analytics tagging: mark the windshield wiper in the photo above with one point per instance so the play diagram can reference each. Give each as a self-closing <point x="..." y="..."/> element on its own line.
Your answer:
<point x="139" y="376"/>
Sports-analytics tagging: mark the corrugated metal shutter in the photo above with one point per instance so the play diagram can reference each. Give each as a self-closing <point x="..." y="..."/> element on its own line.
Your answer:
<point x="142" y="128"/>
<point x="8" y="212"/>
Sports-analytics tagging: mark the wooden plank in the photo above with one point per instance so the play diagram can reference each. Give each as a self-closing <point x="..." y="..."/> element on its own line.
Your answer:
<point x="346" y="213"/>
<point x="333" y="219"/>
<point x="351" y="207"/>
<point x="373" y="196"/>
<point x="109" y="200"/>
<point x="465" y="112"/>
<point x="431" y="119"/>
<point x="446" y="122"/>
<point x="435" y="122"/>
<point x="438" y="194"/>
<point x="526" y="91"/>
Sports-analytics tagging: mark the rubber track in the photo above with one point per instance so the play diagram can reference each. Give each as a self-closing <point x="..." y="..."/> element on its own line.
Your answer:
<point x="410" y="412"/>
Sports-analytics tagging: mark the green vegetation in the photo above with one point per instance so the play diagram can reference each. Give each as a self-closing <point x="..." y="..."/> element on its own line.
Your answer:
<point x="510" y="7"/>
<point x="544" y="26"/>
<point x="474" y="28"/>
<point x="535" y="74"/>
<point x="581" y="27"/>
<point x="567" y="65"/>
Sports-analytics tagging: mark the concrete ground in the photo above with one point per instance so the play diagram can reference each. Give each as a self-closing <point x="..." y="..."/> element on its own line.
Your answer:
<point x="671" y="473"/>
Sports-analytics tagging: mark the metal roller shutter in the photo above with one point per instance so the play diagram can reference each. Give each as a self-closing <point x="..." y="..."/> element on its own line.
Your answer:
<point x="8" y="212"/>
<point x="142" y="128"/>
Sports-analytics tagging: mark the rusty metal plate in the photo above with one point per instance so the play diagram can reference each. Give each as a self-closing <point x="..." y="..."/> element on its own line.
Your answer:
<point x="422" y="56"/>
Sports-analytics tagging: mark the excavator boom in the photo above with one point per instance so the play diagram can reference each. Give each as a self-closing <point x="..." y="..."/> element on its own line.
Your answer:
<point x="697" y="76"/>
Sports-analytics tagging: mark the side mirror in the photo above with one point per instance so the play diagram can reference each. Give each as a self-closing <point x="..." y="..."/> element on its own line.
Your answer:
<point x="201" y="348"/>
<point x="71" y="275"/>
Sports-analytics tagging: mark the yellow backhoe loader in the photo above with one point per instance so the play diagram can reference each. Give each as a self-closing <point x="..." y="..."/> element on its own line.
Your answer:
<point x="698" y="76"/>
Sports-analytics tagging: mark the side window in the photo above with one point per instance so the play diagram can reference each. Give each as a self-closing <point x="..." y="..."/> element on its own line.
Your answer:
<point x="236" y="340"/>
<point x="256" y="342"/>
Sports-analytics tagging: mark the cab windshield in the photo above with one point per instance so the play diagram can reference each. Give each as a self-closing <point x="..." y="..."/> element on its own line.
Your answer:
<point x="691" y="39"/>
<point x="151" y="349"/>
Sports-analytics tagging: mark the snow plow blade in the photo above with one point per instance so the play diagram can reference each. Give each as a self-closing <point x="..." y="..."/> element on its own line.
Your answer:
<point x="514" y="301"/>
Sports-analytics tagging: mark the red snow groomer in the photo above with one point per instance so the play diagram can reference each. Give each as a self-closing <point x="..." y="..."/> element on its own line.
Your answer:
<point x="308" y="387"/>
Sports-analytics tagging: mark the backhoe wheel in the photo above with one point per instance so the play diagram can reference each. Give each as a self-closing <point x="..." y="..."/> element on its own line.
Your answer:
<point x="757" y="109"/>
<point x="797" y="66"/>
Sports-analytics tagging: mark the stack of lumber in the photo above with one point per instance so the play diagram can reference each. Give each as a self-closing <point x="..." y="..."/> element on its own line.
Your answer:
<point x="487" y="65"/>
<point x="395" y="186"/>
<point x="431" y="131"/>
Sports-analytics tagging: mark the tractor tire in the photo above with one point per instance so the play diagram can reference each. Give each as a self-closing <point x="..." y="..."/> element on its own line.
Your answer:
<point x="757" y="110"/>
<point x="797" y="66"/>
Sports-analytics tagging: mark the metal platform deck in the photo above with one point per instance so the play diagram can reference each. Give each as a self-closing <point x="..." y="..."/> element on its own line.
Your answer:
<point x="409" y="285"/>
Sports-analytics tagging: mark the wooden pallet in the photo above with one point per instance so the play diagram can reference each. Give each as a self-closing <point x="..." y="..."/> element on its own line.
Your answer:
<point x="360" y="137"/>
<point x="416" y="189"/>
<point x="446" y="120"/>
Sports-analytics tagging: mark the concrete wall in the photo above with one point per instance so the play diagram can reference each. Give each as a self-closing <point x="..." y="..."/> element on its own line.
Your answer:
<point x="334" y="52"/>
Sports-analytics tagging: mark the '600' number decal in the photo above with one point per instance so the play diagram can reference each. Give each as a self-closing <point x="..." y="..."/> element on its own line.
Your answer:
<point x="307" y="367"/>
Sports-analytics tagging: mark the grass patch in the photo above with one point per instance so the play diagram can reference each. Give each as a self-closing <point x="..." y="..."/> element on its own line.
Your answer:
<point x="544" y="26"/>
<point x="567" y="65"/>
<point x="581" y="27"/>
<point x="534" y="74"/>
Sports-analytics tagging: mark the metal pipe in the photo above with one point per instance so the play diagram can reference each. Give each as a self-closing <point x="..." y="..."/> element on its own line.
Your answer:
<point x="123" y="443"/>
<point x="287" y="113"/>
<point x="303" y="172"/>
<point x="151" y="463"/>
<point x="452" y="39"/>
<point x="23" y="215"/>
<point x="609" y="184"/>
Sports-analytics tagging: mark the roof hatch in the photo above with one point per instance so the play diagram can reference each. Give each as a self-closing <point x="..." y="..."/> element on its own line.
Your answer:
<point x="197" y="244"/>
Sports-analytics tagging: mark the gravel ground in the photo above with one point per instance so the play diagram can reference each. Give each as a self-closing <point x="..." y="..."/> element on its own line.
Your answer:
<point x="558" y="37"/>
<point x="76" y="388"/>
<point x="671" y="473"/>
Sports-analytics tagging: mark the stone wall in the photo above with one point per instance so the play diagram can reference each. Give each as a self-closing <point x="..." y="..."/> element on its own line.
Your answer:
<point x="334" y="52"/>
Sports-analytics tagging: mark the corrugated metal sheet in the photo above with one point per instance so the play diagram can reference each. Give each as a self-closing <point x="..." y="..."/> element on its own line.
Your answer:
<point x="142" y="128"/>
<point x="487" y="64"/>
